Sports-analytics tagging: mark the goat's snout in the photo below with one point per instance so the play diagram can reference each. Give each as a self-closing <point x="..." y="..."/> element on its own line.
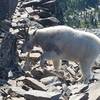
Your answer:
<point x="21" y="50"/>
<point x="26" y="48"/>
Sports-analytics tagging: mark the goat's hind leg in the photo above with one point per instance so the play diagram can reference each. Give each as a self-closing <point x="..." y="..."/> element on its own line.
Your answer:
<point x="85" y="67"/>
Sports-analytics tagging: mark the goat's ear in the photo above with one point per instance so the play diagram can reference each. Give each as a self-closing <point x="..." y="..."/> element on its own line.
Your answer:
<point x="34" y="33"/>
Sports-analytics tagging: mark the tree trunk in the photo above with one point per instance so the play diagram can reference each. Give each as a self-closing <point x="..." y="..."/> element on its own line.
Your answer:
<point x="7" y="8"/>
<point x="8" y="56"/>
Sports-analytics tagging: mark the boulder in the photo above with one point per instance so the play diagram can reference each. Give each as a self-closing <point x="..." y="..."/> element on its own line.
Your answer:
<point x="35" y="84"/>
<point x="36" y="94"/>
<point x="94" y="91"/>
<point x="79" y="97"/>
<point x="49" y="80"/>
<point x="50" y="21"/>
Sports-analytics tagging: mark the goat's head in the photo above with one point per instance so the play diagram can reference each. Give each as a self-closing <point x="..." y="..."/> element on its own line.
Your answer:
<point x="28" y="44"/>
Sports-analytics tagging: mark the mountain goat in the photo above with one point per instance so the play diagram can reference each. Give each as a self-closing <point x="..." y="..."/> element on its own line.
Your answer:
<point x="63" y="42"/>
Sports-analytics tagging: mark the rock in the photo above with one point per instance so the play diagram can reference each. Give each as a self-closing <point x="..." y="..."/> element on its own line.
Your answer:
<point x="66" y="90"/>
<point x="10" y="74"/>
<point x="97" y="76"/>
<point x="70" y="70"/>
<point x="29" y="10"/>
<point x="57" y="8"/>
<point x="17" y="98"/>
<point x="97" y="71"/>
<point x="78" y="88"/>
<point x="37" y="73"/>
<point x="98" y="98"/>
<point x="57" y="83"/>
<point x="49" y="80"/>
<point x="1" y="97"/>
<point x="28" y="74"/>
<point x="52" y="88"/>
<point x="50" y="21"/>
<point x="20" y="78"/>
<point x="49" y="4"/>
<point x="36" y="94"/>
<point x="94" y="91"/>
<point x="43" y="13"/>
<point x="11" y="82"/>
<point x="64" y="98"/>
<point x="35" y="84"/>
<point x="40" y="95"/>
<point x="12" y="91"/>
<point x="82" y="96"/>
<point x="35" y="24"/>
<point x="30" y="60"/>
<point x="25" y="87"/>
<point x="31" y="3"/>
<point x="48" y="73"/>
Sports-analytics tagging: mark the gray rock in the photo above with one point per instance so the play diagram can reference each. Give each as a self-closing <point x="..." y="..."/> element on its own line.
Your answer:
<point x="29" y="10"/>
<point x="11" y="82"/>
<point x="66" y="90"/>
<point x="16" y="98"/>
<point x="97" y="76"/>
<point x="49" y="4"/>
<point x="31" y="3"/>
<point x="49" y="80"/>
<point x="54" y="88"/>
<point x="50" y="21"/>
<point x="40" y="95"/>
<point x="82" y="96"/>
<point x="97" y="71"/>
<point x="78" y="88"/>
<point x="37" y="73"/>
<point x="35" y="84"/>
<point x="1" y="97"/>
<point x="36" y="94"/>
<point x="43" y="13"/>
<point x="98" y="98"/>
<point x="94" y="91"/>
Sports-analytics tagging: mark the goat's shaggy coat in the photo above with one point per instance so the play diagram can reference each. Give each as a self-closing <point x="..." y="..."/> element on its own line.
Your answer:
<point x="62" y="42"/>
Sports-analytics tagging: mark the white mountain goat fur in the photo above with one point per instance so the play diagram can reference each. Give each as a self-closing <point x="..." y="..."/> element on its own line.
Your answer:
<point x="63" y="42"/>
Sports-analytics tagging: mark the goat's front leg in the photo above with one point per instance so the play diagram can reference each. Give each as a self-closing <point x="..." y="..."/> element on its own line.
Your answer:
<point x="48" y="55"/>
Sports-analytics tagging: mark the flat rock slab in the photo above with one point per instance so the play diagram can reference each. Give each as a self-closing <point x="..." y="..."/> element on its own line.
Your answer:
<point x="34" y="84"/>
<point x="97" y="76"/>
<point x="36" y="94"/>
<point x="1" y="98"/>
<point x="91" y="93"/>
<point x="78" y="88"/>
<point x="49" y="79"/>
<point x="17" y="98"/>
<point x="82" y="96"/>
<point x="94" y="91"/>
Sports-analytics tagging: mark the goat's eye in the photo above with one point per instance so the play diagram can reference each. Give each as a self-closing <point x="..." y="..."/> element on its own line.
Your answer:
<point x="29" y="46"/>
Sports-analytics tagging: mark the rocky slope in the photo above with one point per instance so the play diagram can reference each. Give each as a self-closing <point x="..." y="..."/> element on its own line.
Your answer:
<point x="33" y="82"/>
